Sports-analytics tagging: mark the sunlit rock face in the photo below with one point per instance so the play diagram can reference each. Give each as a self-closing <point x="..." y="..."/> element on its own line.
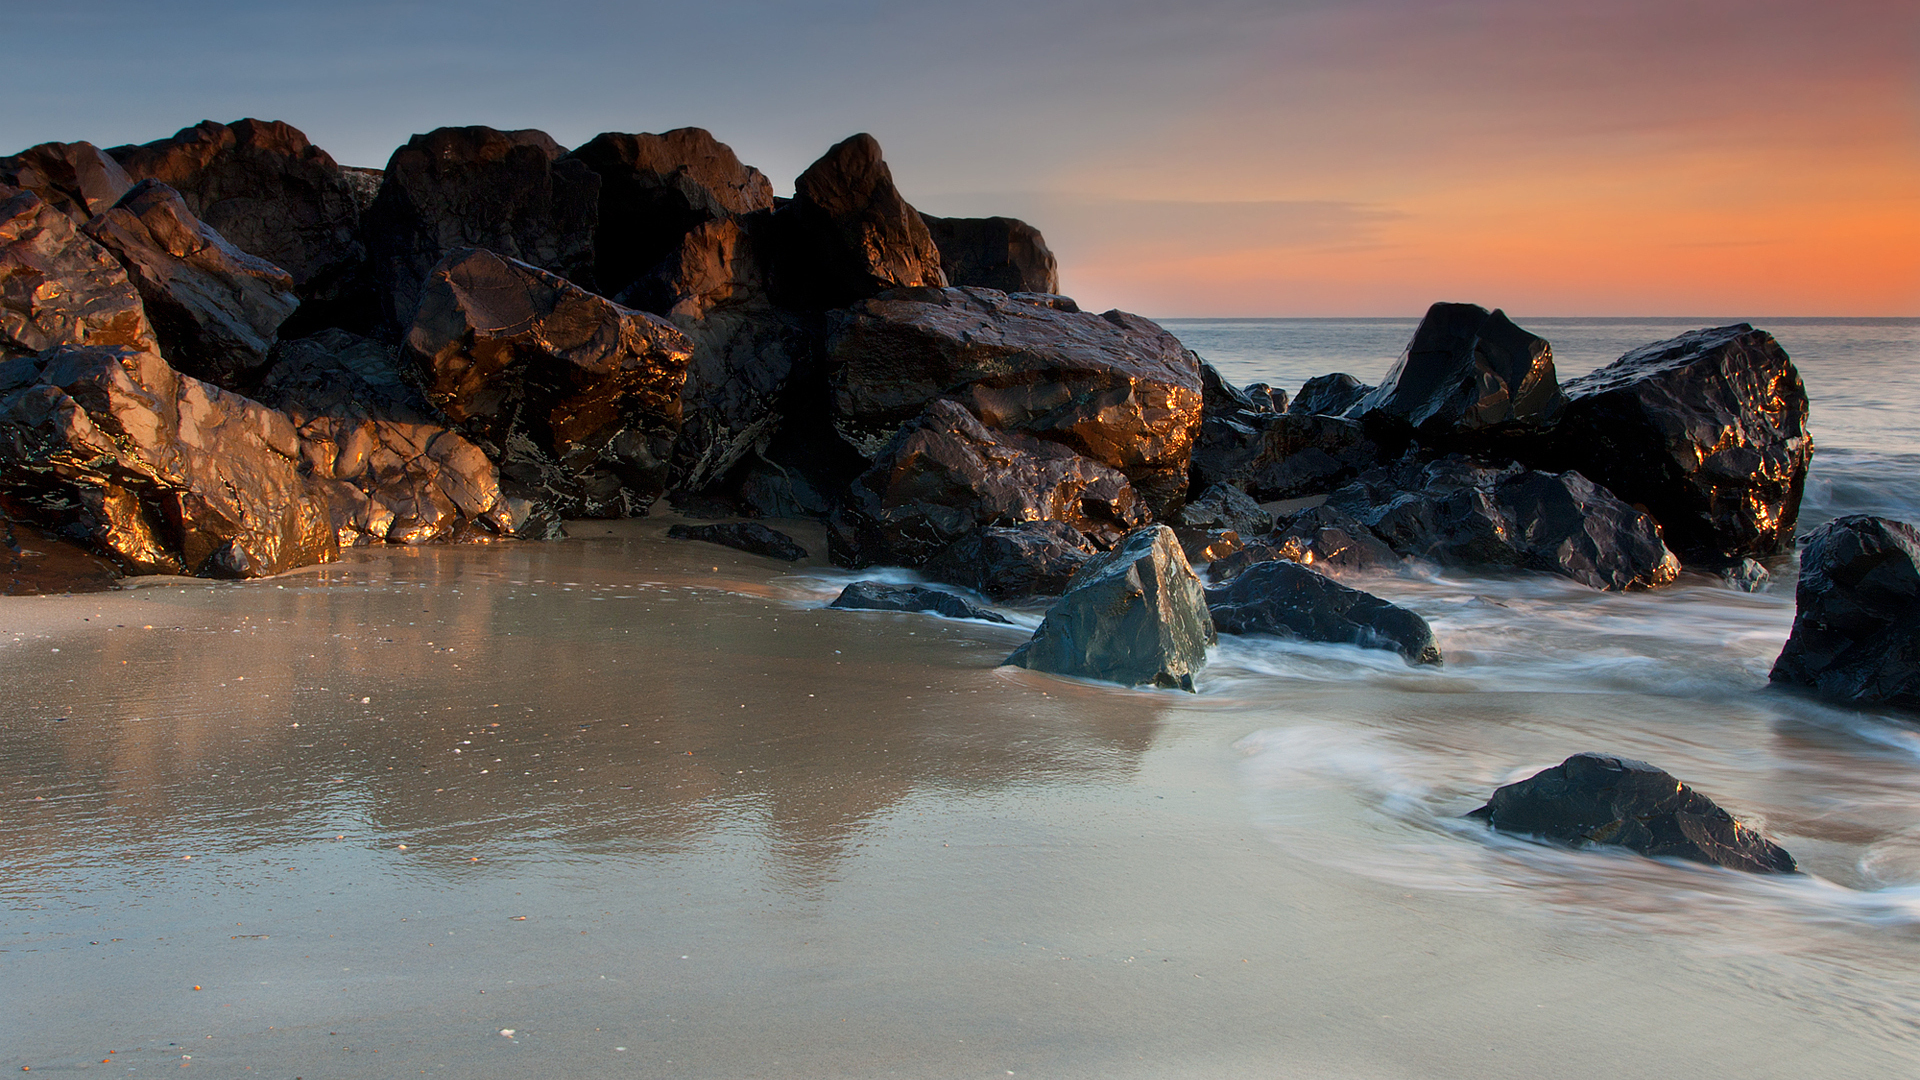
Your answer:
<point x="1856" y="625"/>
<point x="1707" y="430"/>
<point x="57" y="287"/>
<point x="78" y="179"/>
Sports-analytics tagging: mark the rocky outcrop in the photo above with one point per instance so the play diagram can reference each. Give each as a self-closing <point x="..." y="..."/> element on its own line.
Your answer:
<point x="511" y="192"/>
<point x="58" y="287"/>
<point x="1114" y="387"/>
<point x="576" y="397"/>
<point x="1468" y="374"/>
<point x="161" y="472"/>
<point x="1708" y="431"/>
<point x="1456" y="513"/>
<point x="1856" y="624"/>
<point x="747" y="536"/>
<point x="945" y="475"/>
<point x="215" y="309"/>
<point x="849" y="234"/>
<point x="1288" y="600"/>
<point x="1135" y="615"/>
<point x="1224" y="506"/>
<point x="1012" y="562"/>
<point x="1323" y="537"/>
<point x="1329" y="395"/>
<point x="655" y="189"/>
<point x="1281" y="455"/>
<point x="994" y="253"/>
<point x="881" y="596"/>
<point x="1597" y="799"/>
<point x="78" y="179"/>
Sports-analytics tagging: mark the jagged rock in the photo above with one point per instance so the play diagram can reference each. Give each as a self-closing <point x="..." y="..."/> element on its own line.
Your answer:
<point x="1456" y="513"/>
<point x="1468" y="373"/>
<point x="1327" y="539"/>
<point x="511" y="192"/>
<point x="880" y="596"/>
<point x="1134" y="615"/>
<point x="1011" y="562"/>
<point x="1856" y="623"/>
<point x="747" y="536"/>
<point x="1289" y="600"/>
<point x="161" y="472"/>
<point x="1267" y="398"/>
<point x="1600" y="799"/>
<point x="1329" y="395"/>
<point x="215" y="309"/>
<point x="655" y="189"/>
<point x="1707" y="430"/>
<point x="994" y="253"/>
<point x="1281" y="455"/>
<point x="78" y="179"/>
<point x="1746" y="575"/>
<point x="59" y="288"/>
<point x="393" y="473"/>
<point x="849" y="234"/>
<point x="1114" y="387"/>
<point x="945" y="474"/>
<point x="571" y="394"/>
<point x="1224" y="506"/>
<point x="1207" y="545"/>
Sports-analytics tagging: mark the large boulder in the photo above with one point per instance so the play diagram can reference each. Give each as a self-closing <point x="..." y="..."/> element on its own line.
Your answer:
<point x="574" y="396"/>
<point x="1707" y="430"/>
<point x="945" y="474"/>
<point x="654" y="189"/>
<point x="1856" y="625"/>
<point x="1288" y="600"/>
<point x="1326" y="538"/>
<point x="1468" y="374"/>
<point x="161" y="472"/>
<point x="58" y="287"/>
<point x="512" y="192"/>
<point x="1012" y="562"/>
<point x="1329" y="395"/>
<point x="216" y="309"/>
<point x="1281" y="455"/>
<point x="994" y="253"/>
<point x="1114" y="387"/>
<point x="78" y="179"/>
<point x="884" y="596"/>
<point x="1135" y="615"/>
<point x="1598" y="799"/>
<point x="850" y="234"/>
<point x="1457" y="513"/>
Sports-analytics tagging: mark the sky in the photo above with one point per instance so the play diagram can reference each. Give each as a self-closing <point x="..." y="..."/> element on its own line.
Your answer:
<point x="1225" y="158"/>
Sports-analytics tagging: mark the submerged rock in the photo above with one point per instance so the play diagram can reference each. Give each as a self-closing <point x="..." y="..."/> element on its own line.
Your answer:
<point x="1010" y="562"/>
<point x="1468" y="372"/>
<point x="57" y="287"/>
<point x="1599" y="799"/>
<point x="881" y="596"/>
<point x="747" y="536"/>
<point x="1135" y="615"/>
<point x="1289" y="600"/>
<point x="1856" y="624"/>
<point x="994" y="253"/>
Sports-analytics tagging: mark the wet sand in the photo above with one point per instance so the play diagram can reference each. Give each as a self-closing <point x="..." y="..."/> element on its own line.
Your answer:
<point x="647" y="808"/>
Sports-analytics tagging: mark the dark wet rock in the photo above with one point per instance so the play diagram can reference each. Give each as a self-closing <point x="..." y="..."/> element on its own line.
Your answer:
<point x="768" y="490"/>
<point x="511" y="192"/>
<point x="1224" y="506"/>
<point x="1598" y="799"/>
<point x="1468" y="373"/>
<point x="1291" y="601"/>
<point x="392" y="471"/>
<point x="34" y="562"/>
<point x="1281" y="455"/>
<point x="850" y="234"/>
<point x="215" y="309"/>
<point x="1329" y="395"/>
<point x="1267" y="398"/>
<point x="160" y="472"/>
<point x="1856" y="624"/>
<point x="1011" y="562"/>
<point x="1135" y="615"/>
<point x="574" y="396"/>
<point x="880" y="596"/>
<point x="57" y="287"/>
<point x="748" y="536"/>
<point x="1747" y="576"/>
<point x="945" y="474"/>
<point x="1707" y="430"/>
<point x="1323" y="537"/>
<point x="78" y="179"/>
<point x="1115" y="387"/>
<point x="1207" y="545"/>
<point x="1456" y="513"/>
<point x="994" y="253"/>
<point x="655" y="189"/>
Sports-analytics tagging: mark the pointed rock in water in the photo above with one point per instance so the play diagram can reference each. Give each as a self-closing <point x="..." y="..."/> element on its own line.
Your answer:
<point x="1135" y="615"/>
<point x="880" y="596"/>
<point x="1599" y="799"/>
<point x="1289" y="600"/>
<point x="1856" y="625"/>
<point x="57" y="287"/>
<point x="1468" y="372"/>
<point x="1009" y="562"/>
<point x="747" y="536"/>
<point x="994" y="253"/>
<point x="78" y="179"/>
